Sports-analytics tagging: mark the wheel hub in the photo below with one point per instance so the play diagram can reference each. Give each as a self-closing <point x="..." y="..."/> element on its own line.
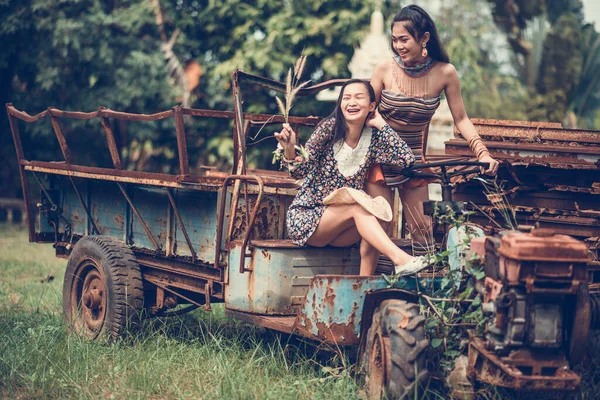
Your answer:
<point x="93" y="299"/>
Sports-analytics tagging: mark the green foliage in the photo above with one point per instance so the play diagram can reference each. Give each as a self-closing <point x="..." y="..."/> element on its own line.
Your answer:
<point x="560" y="68"/>
<point x="471" y="40"/>
<point x="586" y="96"/>
<point x="557" y="8"/>
<point x="512" y="16"/>
<point x="82" y="54"/>
<point x="454" y="307"/>
<point x="559" y="80"/>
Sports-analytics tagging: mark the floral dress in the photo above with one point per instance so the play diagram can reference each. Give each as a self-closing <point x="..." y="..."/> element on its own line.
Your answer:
<point x="328" y="168"/>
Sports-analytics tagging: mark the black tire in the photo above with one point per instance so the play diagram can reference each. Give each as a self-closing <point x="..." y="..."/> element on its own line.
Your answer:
<point x="395" y="354"/>
<point x="102" y="292"/>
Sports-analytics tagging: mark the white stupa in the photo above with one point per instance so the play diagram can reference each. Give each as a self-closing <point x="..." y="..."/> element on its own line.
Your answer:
<point x="373" y="49"/>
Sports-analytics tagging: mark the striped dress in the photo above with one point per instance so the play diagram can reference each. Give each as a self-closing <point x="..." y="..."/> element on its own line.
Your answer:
<point x="414" y="114"/>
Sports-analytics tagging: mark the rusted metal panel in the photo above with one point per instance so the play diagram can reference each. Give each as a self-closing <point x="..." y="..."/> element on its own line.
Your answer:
<point x="108" y="207"/>
<point x="554" y="156"/>
<point x="525" y="246"/>
<point x="149" y="227"/>
<point x="275" y="244"/>
<point x="549" y="176"/>
<point x="485" y="366"/>
<point x="201" y="183"/>
<point x="75" y="213"/>
<point x="533" y="132"/>
<point x="146" y="178"/>
<point x="507" y="122"/>
<point x="180" y="266"/>
<point x="280" y="276"/>
<point x="103" y="112"/>
<point x="279" y="323"/>
<point x="267" y="221"/>
<point x="198" y="211"/>
<point x="333" y="306"/>
<point x="180" y="224"/>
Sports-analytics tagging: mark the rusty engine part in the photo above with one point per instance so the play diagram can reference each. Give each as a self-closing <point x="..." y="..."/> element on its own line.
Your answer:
<point x="538" y="312"/>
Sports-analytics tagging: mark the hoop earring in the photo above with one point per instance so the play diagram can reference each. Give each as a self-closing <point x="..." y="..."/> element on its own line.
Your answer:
<point x="424" y="52"/>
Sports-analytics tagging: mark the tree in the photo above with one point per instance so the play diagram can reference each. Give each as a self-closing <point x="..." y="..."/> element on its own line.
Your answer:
<point x="471" y="40"/>
<point x="553" y="78"/>
<point x="585" y="104"/>
<point x="81" y="54"/>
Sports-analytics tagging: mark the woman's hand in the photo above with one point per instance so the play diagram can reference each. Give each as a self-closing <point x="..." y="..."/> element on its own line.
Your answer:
<point x="287" y="139"/>
<point x="375" y="120"/>
<point x="493" y="168"/>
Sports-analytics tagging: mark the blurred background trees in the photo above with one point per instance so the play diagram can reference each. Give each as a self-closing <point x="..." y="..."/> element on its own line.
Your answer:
<point x="538" y="61"/>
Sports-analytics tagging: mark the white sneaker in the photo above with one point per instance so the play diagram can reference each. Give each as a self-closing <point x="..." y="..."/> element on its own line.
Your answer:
<point x="413" y="266"/>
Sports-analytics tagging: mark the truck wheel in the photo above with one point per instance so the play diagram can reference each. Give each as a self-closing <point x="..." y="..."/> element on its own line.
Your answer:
<point x="395" y="351"/>
<point x="102" y="292"/>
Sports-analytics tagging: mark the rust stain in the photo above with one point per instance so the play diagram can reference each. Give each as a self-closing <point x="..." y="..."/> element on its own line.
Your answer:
<point x="342" y="334"/>
<point x="330" y="296"/>
<point x="75" y="216"/>
<point x="120" y="220"/>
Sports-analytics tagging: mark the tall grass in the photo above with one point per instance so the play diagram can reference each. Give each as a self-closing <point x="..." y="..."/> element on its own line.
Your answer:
<point x="199" y="355"/>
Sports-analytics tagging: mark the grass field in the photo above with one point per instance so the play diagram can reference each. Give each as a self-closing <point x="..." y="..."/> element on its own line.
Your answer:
<point x="199" y="355"/>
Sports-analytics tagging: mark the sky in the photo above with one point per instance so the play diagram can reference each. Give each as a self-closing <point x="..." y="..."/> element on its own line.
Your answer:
<point x="591" y="12"/>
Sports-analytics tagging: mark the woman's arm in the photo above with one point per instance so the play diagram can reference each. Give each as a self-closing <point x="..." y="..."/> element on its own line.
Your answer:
<point x="389" y="148"/>
<point x="462" y="121"/>
<point x="315" y="146"/>
<point x="378" y="78"/>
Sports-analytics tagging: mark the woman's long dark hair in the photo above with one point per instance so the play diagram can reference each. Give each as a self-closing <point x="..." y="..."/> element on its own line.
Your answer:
<point x="340" y="127"/>
<point x="419" y="23"/>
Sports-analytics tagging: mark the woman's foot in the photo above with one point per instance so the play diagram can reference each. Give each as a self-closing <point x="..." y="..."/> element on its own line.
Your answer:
<point x="413" y="266"/>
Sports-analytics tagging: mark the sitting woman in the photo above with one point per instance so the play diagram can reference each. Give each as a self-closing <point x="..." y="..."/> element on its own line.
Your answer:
<point x="330" y="207"/>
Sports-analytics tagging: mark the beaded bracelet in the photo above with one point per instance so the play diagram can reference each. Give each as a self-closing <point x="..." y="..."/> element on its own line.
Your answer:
<point x="478" y="148"/>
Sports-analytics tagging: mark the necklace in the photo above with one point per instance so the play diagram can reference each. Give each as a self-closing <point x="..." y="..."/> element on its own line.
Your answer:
<point x="416" y="70"/>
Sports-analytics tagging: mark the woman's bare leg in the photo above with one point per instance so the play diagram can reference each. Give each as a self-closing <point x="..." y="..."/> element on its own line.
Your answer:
<point x="339" y="219"/>
<point x="369" y="255"/>
<point x="376" y="189"/>
<point x="418" y="224"/>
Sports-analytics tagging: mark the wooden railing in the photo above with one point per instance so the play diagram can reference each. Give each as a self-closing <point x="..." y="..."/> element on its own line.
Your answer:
<point x="12" y="205"/>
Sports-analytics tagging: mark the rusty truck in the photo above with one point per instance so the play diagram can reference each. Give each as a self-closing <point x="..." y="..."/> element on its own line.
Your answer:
<point x="149" y="243"/>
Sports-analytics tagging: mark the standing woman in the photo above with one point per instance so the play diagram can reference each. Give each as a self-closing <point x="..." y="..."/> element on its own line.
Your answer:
<point x="408" y="88"/>
<point x="339" y="153"/>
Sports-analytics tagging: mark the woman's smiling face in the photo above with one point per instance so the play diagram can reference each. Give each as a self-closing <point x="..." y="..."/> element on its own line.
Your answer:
<point x="356" y="103"/>
<point x="405" y="45"/>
